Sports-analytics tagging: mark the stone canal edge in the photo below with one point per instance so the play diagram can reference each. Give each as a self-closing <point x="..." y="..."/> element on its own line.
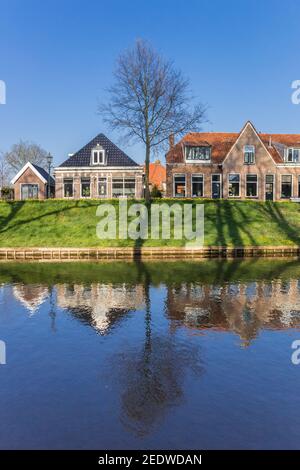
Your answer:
<point x="143" y="253"/>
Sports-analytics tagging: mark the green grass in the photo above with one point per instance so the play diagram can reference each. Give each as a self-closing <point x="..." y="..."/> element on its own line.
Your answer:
<point x="59" y="223"/>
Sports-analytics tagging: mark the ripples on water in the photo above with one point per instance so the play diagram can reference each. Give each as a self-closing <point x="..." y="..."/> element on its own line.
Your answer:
<point x="172" y="355"/>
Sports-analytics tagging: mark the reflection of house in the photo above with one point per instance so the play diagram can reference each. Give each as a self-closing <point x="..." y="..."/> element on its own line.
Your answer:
<point x="30" y="295"/>
<point x="98" y="304"/>
<point x="241" y="308"/>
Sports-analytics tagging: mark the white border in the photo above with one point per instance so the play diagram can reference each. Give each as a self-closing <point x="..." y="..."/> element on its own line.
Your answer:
<point x="221" y="185"/>
<point x="292" y="188"/>
<point x="31" y="184"/>
<point x="257" y="187"/>
<point x="35" y="171"/>
<point x="197" y="174"/>
<point x="240" y="182"/>
<point x="179" y="174"/>
<point x="249" y="123"/>
<point x="274" y="185"/>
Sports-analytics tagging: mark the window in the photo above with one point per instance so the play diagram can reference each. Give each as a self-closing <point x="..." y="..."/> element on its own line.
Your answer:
<point x="98" y="156"/>
<point x="29" y="191"/>
<point x="233" y="185"/>
<point x="85" y="187"/>
<point x="129" y="187"/>
<point x="293" y="155"/>
<point x="249" y="154"/>
<point x="179" y="185"/>
<point x="286" y="186"/>
<point x="298" y="186"/>
<point x="102" y="187"/>
<point x="197" y="185"/>
<point x="216" y="186"/>
<point x="251" y="185"/>
<point x="197" y="153"/>
<point x="123" y="187"/>
<point x="117" y="187"/>
<point x="68" y="187"/>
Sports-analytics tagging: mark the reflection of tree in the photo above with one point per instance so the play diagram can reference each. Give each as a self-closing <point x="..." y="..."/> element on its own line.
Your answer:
<point x="152" y="380"/>
<point x="151" y="375"/>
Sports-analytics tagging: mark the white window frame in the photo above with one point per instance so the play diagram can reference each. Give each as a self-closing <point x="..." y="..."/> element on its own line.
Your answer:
<point x="287" y="154"/>
<point x="274" y="185"/>
<point x="123" y="178"/>
<point x="32" y="184"/>
<point x="211" y="183"/>
<point x="179" y="174"/>
<point x="106" y="182"/>
<point x="239" y="195"/>
<point x="253" y="147"/>
<point x="292" y="188"/>
<point x="85" y="197"/>
<point x="196" y="174"/>
<point x="251" y="197"/>
<point x="197" y="161"/>
<point x="98" y="152"/>
<point x="68" y="197"/>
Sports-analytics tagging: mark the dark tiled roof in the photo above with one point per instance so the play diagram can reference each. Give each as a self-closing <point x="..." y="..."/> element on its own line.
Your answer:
<point x="44" y="173"/>
<point x="115" y="156"/>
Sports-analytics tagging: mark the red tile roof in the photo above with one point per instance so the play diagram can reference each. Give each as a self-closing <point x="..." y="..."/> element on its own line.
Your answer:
<point x="221" y="143"/>
<point x="157" y="174"/>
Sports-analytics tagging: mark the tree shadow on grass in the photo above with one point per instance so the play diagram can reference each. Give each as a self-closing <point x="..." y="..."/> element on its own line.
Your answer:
<point x="273" y="211"/>
<point x="15" y="207"/>
<point x="4" y="224"/>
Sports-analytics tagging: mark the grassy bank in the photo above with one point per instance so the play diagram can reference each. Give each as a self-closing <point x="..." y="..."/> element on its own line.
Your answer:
<point x="61" y="223"/>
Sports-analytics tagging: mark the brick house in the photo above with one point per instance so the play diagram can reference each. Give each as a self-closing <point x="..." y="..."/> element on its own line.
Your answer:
<point x="31" y="182"/>
<point x="245" y="165"/>
<point x="99" y="170"/>
<point x="157" y="176"/>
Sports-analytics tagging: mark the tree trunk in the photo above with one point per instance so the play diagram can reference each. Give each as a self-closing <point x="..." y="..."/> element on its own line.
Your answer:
<point x="147" y="161"/>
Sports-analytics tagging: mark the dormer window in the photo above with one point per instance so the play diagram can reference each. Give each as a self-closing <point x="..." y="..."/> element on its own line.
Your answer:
<point x="201" y="153"/>
<point x="249" y="154"/>
<point x="293" y="155"/>
<point x="98" y="155"/>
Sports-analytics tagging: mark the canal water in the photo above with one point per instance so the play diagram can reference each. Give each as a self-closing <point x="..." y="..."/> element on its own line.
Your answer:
<point x="194" y="355"/>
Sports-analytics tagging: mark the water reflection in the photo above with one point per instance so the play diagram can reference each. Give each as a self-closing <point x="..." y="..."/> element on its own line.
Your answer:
<point x="31" y="296"/>
<point x="243" y="308"/>
<point x="100" y="305"/>
<point x="240" y="307"/>
<point x="135" y="373"/>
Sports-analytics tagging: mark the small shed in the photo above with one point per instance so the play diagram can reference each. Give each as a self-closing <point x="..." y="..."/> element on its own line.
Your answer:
<point x="32" y="183"/>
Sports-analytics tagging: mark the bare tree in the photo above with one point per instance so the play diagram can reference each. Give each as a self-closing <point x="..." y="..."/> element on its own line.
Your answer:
<point x="4" y="172"/>
<point x="150" y="100"/>
<point x="24" y="152"/>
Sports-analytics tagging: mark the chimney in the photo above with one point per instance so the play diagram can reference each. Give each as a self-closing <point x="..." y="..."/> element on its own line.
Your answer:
<point x="270" y="141"/>
<point x="171" y="141"/>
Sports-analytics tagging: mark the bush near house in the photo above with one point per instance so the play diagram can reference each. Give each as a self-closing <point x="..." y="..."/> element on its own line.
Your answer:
<point x="72" y="223"/>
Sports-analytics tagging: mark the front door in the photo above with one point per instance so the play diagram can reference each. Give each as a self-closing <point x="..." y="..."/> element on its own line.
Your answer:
<point x="269" y="187"/>
<point x="216" y="186"/>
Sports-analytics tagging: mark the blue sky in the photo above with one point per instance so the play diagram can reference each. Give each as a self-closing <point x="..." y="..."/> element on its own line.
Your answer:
<point x="57" y="58"/>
